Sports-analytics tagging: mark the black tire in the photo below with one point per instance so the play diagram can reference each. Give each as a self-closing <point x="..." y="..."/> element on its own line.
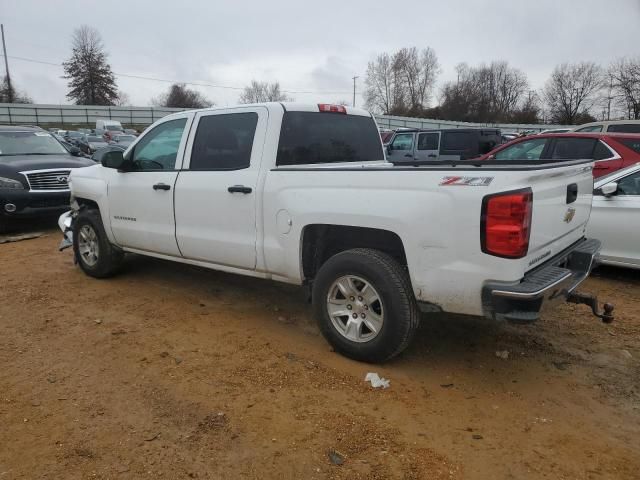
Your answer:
<point x="390" y="280"/>
<point x="109" y="258"/>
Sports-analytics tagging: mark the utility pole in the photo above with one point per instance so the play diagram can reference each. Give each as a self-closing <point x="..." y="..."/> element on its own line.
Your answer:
<point x="609" y="97"/>
<point x="10" y="95"/>
<point x="354" y="91"/>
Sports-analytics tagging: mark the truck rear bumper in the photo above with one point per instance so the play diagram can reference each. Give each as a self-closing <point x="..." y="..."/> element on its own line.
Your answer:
<point x="554" y="281"/>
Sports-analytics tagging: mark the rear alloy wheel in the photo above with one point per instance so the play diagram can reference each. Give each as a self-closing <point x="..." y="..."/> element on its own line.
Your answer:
<point x="364" y="305"/>
<point x="355" y="308"/>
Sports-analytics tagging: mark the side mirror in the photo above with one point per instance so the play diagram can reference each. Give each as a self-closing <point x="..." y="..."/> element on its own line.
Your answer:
<point x="491" y="157"/>
<point x="609" y="189"/>
<point x="113" y="159"/>
<point x="389" y="148"/>
<point x="75" y="151"/>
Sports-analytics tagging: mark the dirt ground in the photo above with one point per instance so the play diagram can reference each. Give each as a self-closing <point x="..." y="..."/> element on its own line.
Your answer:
<point x="170" y="371"/>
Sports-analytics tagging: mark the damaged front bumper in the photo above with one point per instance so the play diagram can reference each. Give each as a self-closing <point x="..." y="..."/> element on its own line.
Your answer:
<point x="65" y="222"/>
<point x="556" y="280"/>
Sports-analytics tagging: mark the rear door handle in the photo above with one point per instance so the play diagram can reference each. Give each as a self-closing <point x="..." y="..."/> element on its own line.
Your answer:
<point x="432" y="155"/>
<point x="572" y="193"/>
<point x="161" y="186"/>
<point x="239" y="189"/>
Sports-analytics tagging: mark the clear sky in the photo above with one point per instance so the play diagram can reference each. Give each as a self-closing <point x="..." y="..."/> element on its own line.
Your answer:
<point x="306" y="46"/>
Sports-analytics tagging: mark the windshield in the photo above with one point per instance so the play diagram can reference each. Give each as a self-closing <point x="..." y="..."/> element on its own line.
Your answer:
<point x="29" y="143"/>
<point x="75" y="134"/>
<point x="125" y="138"/>
<point x="95" y="139"/>
<point x="113" y="128"/>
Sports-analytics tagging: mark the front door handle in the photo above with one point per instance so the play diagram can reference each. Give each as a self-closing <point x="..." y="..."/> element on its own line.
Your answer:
<point x="239" y="189"/>
<point x="432" y="155"/>
<point x="408" y="155"/>
<point x="161" y="186"/>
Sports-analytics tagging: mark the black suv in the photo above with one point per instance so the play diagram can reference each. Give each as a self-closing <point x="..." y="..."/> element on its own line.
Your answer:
<point x="34" y="169"/>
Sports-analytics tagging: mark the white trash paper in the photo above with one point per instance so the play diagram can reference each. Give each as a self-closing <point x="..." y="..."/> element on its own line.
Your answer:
<point x="376" y="381"/>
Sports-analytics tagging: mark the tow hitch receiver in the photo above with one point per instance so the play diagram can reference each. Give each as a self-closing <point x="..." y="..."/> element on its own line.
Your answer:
<point x="591" y="300"/>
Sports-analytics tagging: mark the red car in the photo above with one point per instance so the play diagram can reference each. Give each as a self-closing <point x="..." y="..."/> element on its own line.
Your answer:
<point x="611" y="151"/>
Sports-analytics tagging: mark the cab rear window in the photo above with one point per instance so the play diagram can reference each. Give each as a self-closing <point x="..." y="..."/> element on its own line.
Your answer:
<point x="320" y="137"/>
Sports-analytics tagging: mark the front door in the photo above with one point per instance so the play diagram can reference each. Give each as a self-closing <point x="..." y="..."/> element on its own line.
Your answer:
<point x="428" y="146"/>
<point x="401" y="148"/>
<point x="615" y="221"/>
<point x="141" y="200"/>
<point x="217" y="193"/>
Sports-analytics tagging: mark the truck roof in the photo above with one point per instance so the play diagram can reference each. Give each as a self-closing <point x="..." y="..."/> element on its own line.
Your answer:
<point x="284" y="106"/>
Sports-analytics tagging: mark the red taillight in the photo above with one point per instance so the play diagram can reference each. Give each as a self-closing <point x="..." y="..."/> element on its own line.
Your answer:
<point x="506" y="223"/>
<point x="327" y="107"/>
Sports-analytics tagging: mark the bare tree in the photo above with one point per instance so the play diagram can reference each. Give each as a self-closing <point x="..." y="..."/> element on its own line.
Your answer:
<point x="418" y="69"/>
<point x="91" y="81"/>
<point x="572" y="91"/>
<point x="384" y="90"/>
<point x="486" y="93"/>
<point x="9" y="94"/>
<point x="260" y="92"/>
<point x="180" y="96"/>
<point x="401" y="83"/>
<point x="625" y="84"/>
<point x="123" y="99"/>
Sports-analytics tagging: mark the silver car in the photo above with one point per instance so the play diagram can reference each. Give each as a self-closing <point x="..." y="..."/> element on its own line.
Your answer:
<point x="615" y="217"/>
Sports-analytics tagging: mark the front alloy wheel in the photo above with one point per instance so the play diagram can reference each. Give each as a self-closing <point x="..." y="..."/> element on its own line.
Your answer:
<point x="88" y="245"/>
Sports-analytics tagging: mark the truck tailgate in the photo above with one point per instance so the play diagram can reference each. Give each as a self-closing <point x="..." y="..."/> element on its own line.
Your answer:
<point x="561" y="209"/>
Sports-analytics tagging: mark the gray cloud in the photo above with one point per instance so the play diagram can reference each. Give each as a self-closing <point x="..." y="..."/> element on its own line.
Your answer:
<point x="307" y="46"/>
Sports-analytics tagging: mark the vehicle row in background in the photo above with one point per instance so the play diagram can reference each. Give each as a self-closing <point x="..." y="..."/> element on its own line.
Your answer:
<point x="610" y="126"/>
<point x="419" y="145"/>
<point x="34" y="169"/>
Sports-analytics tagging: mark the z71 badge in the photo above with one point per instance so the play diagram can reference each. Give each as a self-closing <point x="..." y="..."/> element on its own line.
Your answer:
<point x="466" y="181"/>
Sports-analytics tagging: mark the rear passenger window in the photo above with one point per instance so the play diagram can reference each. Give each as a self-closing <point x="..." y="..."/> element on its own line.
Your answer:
<point x="632" y="144"/>
<point x="224" y="142"/>
<point x="573" y="149"/>
<point x="428" y="141"/>
<point x="602" y="152"/>
<point x="625" y="128"/>
<point x="457" y="140"/>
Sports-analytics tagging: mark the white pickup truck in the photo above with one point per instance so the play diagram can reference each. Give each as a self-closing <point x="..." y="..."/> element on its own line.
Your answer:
<point x="302" y="194"/>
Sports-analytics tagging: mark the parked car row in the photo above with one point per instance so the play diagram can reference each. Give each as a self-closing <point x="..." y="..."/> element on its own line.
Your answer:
<point x="107" y="132"/>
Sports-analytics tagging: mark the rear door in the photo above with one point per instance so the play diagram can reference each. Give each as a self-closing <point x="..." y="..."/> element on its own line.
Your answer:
<point x="216" y="193"/>
<point x="401" y="148"/>
<point x="427" y="146"/>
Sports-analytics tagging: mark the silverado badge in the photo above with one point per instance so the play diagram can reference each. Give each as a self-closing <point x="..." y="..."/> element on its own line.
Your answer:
<point x="571" y="212"/>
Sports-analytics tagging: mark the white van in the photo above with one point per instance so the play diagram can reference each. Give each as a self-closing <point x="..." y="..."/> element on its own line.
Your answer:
<point x="109" y="125"/>
<point x="619" y="126"/>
